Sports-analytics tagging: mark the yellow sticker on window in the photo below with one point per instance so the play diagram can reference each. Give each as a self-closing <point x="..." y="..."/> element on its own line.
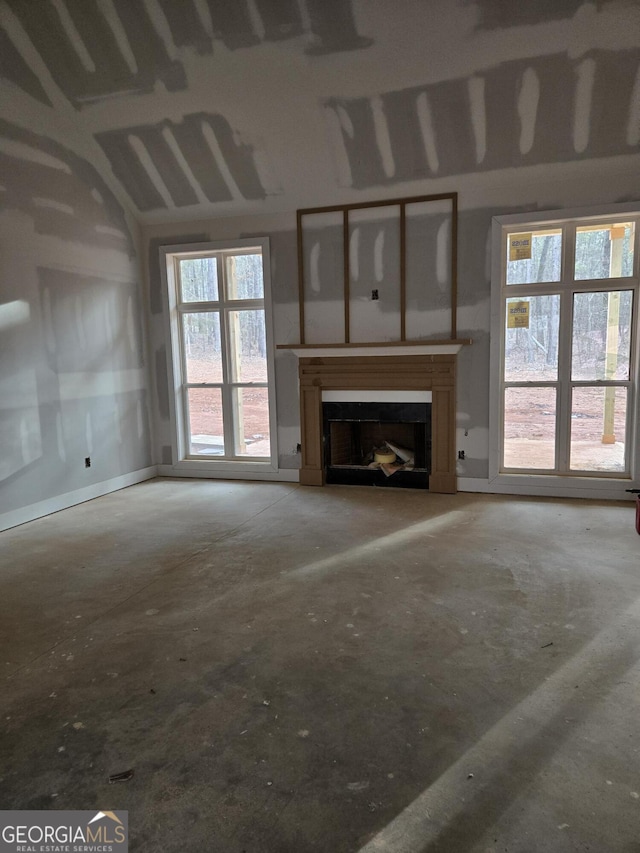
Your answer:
<point x="519" y="247"/>
<point x="517" y="315"/>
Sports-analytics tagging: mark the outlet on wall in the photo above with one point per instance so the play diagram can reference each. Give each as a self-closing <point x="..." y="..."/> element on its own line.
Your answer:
<point x="87" y="462"/>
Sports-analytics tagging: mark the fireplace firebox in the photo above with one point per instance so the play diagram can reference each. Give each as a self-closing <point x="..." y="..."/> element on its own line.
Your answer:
<point x="379" y="444"/>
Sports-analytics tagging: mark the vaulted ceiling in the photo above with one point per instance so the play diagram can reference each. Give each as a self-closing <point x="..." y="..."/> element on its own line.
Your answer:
<point x="200" y="108"/>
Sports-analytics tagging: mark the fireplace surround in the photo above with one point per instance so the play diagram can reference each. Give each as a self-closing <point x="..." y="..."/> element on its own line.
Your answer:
<point x="407" y="372"/>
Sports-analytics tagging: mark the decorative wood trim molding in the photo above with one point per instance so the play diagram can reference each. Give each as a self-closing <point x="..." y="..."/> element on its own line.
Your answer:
<point x="401" y="203"/>
<point x="454" y="265"/>
<point x="403" y="272"/>
<point x="346" y="263"/>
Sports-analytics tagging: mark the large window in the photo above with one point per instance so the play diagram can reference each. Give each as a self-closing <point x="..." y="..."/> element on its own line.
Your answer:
<point x="564" y="337"/>
<point x="221" y="362"/>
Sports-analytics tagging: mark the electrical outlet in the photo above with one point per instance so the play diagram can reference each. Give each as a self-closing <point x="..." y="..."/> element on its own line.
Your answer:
<point x="87" y="462"/>
<point x="461" y="454"/>
<point x="374" y="295"/>
<point x="298" y="448"/>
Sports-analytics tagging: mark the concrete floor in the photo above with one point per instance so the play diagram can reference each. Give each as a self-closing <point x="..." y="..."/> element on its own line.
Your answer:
<point x="293" y="669"/>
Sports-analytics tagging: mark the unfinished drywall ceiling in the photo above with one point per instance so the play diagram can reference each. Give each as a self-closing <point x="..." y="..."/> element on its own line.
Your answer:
<point x="510" y="116"/>
<point x="62" y="192"/>
<point x="201" y="108"/>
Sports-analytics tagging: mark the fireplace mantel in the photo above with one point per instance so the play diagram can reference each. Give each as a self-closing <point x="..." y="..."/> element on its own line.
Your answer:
<point x="394" y="348"/>
<point x="344" y="369"/>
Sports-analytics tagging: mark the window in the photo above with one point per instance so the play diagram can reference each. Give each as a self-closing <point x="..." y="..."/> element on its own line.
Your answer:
<point x="221" y="355"/>
<point x="564" y="368"/>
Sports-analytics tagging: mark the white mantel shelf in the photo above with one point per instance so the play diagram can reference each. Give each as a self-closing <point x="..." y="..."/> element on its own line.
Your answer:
<point x="404" y="348"/>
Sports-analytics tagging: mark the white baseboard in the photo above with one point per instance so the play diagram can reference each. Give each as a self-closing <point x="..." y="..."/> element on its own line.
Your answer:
<point x="473" y="484"/>
<point x="97" y="490"/>
<point x="586" y="489"/>
<point x="283" y="475"/>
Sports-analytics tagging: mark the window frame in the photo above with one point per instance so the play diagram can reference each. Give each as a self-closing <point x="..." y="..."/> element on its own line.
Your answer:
<point x="562" y="478"/>
<point x="183" y="460"/>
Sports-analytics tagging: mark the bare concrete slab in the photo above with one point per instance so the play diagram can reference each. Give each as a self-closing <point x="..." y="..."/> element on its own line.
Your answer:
<point x="338" y="669"/>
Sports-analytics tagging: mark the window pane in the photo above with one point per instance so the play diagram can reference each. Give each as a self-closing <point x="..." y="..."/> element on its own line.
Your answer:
<point x="248" y="346"/>
<point x="598" y="429"/>
<point x="531" y="339"/>
<point x="206" y="433"/>
<point x="540" y="256"/>
<point x="529" y="427"/>
<point x="601" y="335"/>
<point x="252" y="421"/>
<point x="199" y="280"/>
<point x="244" y="277"/>
<point x="202" y="348"/>
<point x="604" y="251"/>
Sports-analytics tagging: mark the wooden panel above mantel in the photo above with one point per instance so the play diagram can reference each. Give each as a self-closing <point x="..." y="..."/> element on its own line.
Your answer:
<point x="379" y="372"/>
<point x="346" y="216"/>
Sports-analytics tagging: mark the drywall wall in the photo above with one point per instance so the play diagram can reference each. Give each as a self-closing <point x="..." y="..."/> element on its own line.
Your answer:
<point x="73" y="371"/>
<point x="210" y="120"/>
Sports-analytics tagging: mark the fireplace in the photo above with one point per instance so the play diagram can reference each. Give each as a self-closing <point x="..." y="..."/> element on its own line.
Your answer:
<point x="377" y="438"/>
<point x="402" y="371"/>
